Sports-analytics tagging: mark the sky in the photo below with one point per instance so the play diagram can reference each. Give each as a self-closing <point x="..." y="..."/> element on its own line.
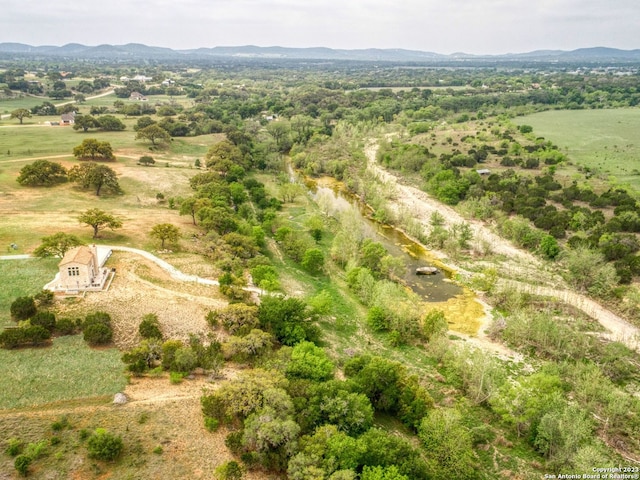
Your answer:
<point x="441" y="26"/>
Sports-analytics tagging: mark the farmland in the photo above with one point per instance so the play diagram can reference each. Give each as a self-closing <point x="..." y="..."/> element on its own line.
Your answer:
<point x="604" y="140"/>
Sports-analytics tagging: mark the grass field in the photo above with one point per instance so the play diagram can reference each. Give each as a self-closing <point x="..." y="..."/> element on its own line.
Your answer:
<point x="603" y="140"/>
<point x="7" y="105"/>
<point x="66" y="370"/>
<point x="20" y="278"/>
<point x="43" y="375"/>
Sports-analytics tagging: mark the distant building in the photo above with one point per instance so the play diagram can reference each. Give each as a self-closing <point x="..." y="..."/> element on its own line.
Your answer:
<point x="137" y="96"/>
<point x="68" y="118"/>
<point x="82" y="269"/>
<point x="483" y="171"/>
<point x="142" y="78"/>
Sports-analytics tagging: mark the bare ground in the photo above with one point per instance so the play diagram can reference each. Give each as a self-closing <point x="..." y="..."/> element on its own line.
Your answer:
<point x="141" y="287"/>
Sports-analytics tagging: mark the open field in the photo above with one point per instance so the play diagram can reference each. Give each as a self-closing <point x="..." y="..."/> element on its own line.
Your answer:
<point x="28" y="214"/>
<point x="603" y="140"/>
<point x="7" y="105"/>
<point x="20" y="278"/>
<point x="30" y="379"/>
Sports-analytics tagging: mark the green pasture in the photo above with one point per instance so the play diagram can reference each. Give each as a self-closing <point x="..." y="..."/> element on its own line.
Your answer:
<point x="66" y="370"/>
<point x="8" y="105"/>
<point x="22" y="277"/>
<point x="42" y="140"/>
<point x="603" y="140"/>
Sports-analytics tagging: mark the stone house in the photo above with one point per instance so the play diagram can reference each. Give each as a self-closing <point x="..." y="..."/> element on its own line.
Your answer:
<point x="82" y="268"/>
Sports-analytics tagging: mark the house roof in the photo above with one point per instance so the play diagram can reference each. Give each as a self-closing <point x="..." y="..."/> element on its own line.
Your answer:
<point x="67" y="117"/>
<point x="81" y="255"/>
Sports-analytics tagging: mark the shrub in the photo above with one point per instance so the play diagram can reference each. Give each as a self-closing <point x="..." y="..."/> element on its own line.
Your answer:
<point x="14" y="447"/>
<point x="175" y="377"/>
<point x="65" y="326"/>
<point x="158" y="450"/>
<point x="146" y="160"/>
<point x="434" y="324"/>
<point x="229" y="471"/>
<point x="98" y="334"/>
<point x="44" y="319"/>
<point x="377" y="319"/>
<point x="103" y="445"/>
<point x="17" y="337"/>
<point x="211" y="424"/>
<point x="44" y="298"/>
<point x="23" y="308"/>
<point x="150" y="326"/>
<point x="22" y="464"/>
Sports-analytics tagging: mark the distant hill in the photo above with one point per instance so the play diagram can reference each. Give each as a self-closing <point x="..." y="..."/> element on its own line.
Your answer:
<point x="140" y="51"/>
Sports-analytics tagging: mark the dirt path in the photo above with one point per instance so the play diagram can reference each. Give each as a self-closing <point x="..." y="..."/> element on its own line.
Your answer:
<point x="421" y="205"/>
<point x="174" y="272"/>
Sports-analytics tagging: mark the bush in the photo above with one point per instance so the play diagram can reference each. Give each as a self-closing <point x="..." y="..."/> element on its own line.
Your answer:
<point x="98" y="334"/>
<point x="23" y="308"/>
<point x="66" y="326"/>
<point x="14" y="447"/>
<point x="44" y="319"/>
<point x="146" y="160"/>
<point x="22" y="464"/>
<point x="229" y="471"/>
<point x="103" y="445"/>
<point x="44" y="298"/>
<point x="17" y="337"/>
<point x="211" y="424"/>
<point x="150" y="327"/>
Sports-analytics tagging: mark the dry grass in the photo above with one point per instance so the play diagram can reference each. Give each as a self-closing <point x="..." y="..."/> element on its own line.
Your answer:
<point x="158" y="414"/>
<point x="140" y="287"/>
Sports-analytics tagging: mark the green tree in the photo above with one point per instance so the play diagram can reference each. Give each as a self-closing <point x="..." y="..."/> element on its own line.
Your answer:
<point x="154" y="133"/>
<point x="222" y="156"/>
<point x="103" y="445"/>
<point x="109" y="123"/>
<point x="57" y="245"/>
<point x="449" y="443"/>
<point x="42" y="173"/>
<point x="382" y="473"/>
<point x="313" y="261"/>
<point x="146" y="160"/>
<point x="287" y="318"/>
<point x="93" y="149"/>
<point x="21" y="114"/>
<point x="85" y="122"/>
<point x="97" y="334"/>
<point x="94" y="175"/>
<point x="310" y="362"/>
<point x="165" y="232"/>
<point x="98" y="220"/>
<point x="143" y="122"/>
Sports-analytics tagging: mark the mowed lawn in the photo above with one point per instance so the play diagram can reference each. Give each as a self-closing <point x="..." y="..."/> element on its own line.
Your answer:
<point x="604" y="140"/>
<point x="67" y="369"/>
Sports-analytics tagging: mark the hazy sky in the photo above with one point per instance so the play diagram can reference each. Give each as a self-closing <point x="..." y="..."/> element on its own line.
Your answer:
<point x="443" y="26"/>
